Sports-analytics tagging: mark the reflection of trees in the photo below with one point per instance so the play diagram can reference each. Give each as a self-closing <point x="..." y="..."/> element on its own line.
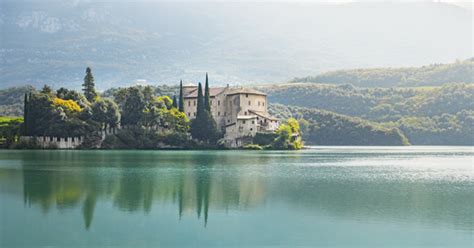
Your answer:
<point x="195" y="184"/>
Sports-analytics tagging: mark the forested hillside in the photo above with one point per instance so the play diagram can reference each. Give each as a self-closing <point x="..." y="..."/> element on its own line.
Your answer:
<point x="431" y="75"/>
<point x="377" y="104"/>
<point x="11" y="100"/>
<point x="426" y="115"/>
<point x="321" y="127"/>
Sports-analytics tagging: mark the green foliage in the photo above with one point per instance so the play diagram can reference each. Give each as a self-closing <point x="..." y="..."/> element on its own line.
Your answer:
<point x="207" y="103"/>
<point x="134" y="105"/>
<point x="432" y="75"/>
<point x="181" y="96"/>
<point x="139" y="137"/>
<point x="289" y="137"/>
<point x="376" y="104"/>
<point x="204" y="127"/>
<point x="389" y="108"/>
<point x="89" y="86"/>
<point x="264" y="139"/>
<point x="10" y="129"/>
<point x="445" y="129"/>
<point x="51" y="116"/>
<point x="175" y="102"/>
<point x="327" y="128"/>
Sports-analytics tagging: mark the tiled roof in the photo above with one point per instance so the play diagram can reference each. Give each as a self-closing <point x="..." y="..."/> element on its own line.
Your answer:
<point x="212" y="92"/>
<point x="245" y="91"/>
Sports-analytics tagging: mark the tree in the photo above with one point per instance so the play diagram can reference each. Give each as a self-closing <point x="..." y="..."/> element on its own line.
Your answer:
<point x="203" y="127"/>
<point x="62" y="92"/>
<point x="47" y="90"/>
<point x="148" y="93"/>
<point x="134" y="105"/>
<point x="198" y="126"/>
<point x="207" y="103"/>
<point x="181" y="96"/>
<point x="89" y="86"/>
<point x="112" y="114"/>
<point x="175" y="103"/>
<point x="200" y="102"/>
<point x="25" y="115"/>
<point x="99" y="113"/>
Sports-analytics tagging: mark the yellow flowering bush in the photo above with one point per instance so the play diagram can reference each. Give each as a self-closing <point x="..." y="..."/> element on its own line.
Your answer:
<point x="70" y="105"/>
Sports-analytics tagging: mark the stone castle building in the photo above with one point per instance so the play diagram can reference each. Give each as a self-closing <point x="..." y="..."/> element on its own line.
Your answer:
<point x="239" y="112"/>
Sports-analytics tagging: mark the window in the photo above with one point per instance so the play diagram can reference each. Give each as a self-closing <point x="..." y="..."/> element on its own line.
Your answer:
<point x="58" y="139"/>
<point x="51" y="139"/>
<point x="218" y="102"/>
<point x="251" y="129"/>
<point x="263" y="104"/>
<point x="245" y="113"/>
<point x="253" y="122"/>
<point x="194" y="113"/>
<point x="194" y="102"/>
<point x="44" y="138"/>
<point x="65" y="139"/>
<point x="250" y="103"/>
<point x="189" y="103"/>
<point x="218" y="113"/>
<point x="246" y="95"/>
<point x="189" y="114"/>
<point x="210" y="102"/>
<point x="259" y="103"/>
<point x="228" y="121"/>
<point x="72" y="139"/>
<point x="243" y="122"/>
<point x="225" y="113"/>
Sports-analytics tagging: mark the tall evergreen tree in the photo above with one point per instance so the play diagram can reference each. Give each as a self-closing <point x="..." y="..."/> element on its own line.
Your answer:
<point x="200" y="102"/>
<point x="25" y="115"/>
<point x="181" y="96"/>
<point x="89" y="86"/>
<point x="207" y="100"/>
<point x="198" y="127"/>
<point x="175" y="104"/>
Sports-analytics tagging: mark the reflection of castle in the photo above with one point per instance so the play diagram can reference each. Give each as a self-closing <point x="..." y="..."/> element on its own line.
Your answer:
<point x="192" y="190"/>
<point x="238" y="112"/>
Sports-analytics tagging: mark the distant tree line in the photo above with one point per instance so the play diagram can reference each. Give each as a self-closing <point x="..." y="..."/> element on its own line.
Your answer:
<point x="432" y="75"/>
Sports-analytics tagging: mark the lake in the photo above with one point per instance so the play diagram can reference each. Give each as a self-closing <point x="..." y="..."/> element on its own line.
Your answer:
<point x="324" y="196"/>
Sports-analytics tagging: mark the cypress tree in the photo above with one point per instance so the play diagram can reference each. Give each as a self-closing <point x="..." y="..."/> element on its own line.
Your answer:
<point x="25" y="115"/>
<point x="89" y="86"/>
<point x="207" y="105"/>
<point x="200" y="102"/>
<point x="198" y="127"/>
<point x="175" y="104"/>
<point x="181" y="96"/>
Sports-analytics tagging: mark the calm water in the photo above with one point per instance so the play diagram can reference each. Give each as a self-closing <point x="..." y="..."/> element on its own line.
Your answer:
<point x="343" y="197"/>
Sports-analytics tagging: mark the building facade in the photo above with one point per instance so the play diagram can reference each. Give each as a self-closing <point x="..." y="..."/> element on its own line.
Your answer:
<point x="239" y="112"/>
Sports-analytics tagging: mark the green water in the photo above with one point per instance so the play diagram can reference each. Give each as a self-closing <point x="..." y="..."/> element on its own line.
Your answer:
<point x="337" y="197"/>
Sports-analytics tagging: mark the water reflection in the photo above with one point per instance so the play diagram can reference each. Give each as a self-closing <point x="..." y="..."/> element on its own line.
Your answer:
<point x="191" y="182"/>
<point x="199" y="182"/>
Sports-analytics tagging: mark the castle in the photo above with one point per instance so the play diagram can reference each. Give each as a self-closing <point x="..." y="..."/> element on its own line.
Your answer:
<point x="239" y="112"/>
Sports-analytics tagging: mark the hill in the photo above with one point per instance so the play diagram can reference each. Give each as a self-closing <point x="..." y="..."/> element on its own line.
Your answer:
<point x="376" y="104"/>
<point x="431" y="75"/>
<point x="11" y="100"/>
<point x="52" y="42"/>
<point x="321" y="127"/>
